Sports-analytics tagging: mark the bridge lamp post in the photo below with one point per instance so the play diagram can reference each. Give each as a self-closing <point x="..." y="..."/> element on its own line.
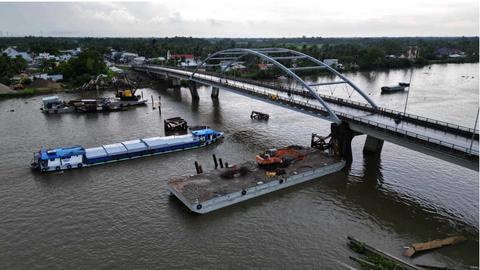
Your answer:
<point x="473" y="132"/>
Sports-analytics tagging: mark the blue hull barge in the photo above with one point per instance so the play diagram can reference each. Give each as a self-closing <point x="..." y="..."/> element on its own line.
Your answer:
<point x="71" y="157"/>
<point x="219" y="188"/>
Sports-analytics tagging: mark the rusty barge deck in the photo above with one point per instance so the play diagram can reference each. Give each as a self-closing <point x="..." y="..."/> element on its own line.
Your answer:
<point x="206" y="192"/>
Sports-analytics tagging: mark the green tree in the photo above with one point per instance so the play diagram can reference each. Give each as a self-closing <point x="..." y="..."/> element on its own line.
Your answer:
<point x="372" y="58"/>
<point x="82" y="68"/>
<point x="10" y="67"/>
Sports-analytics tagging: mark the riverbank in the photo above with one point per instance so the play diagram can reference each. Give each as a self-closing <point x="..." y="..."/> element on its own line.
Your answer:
<point x="48" y="87"/>
<point x="30" y="92"/>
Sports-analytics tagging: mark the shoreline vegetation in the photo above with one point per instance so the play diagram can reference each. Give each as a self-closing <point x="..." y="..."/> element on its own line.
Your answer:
<point x="69" y="88"/>
<point x="354" y="54"/>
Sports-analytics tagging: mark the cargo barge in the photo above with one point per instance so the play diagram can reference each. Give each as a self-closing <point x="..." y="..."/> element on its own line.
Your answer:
<point x="71" y="157"/>
<point x="53" y="105"/>
<point x="219" y="188"/>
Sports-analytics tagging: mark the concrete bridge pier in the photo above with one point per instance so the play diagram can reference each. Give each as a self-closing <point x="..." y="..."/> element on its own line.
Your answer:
<point x="373" y="146"/>
<point x="176" y="83"/>
<point x="193" y="89"/>
<point x="215" y="92"/>
<point x="342" y="137"/>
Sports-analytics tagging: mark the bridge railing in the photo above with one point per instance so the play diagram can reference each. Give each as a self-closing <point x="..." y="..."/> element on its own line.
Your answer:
<point x="364" y="106"/>
<point x="421" y="139"/>
<point x="466" y="131"/>
<point x="391" y="130"/>
<point x="427" y="141"/>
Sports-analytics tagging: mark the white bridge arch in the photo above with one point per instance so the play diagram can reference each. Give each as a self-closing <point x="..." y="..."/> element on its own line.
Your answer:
<point x="272" y="55"/>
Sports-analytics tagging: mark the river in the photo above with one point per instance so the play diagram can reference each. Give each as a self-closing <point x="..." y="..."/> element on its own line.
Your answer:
<point x="120" y="216"/>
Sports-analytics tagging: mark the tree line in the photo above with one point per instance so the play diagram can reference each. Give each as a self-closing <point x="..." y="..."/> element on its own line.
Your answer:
<point x="364" y="53"/>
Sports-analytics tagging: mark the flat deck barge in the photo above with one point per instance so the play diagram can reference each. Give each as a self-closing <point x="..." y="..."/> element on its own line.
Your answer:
<point x="206" y="192"/>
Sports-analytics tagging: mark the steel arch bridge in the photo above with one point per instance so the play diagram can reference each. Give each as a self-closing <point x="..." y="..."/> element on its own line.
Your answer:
<point x="275" y="56"/>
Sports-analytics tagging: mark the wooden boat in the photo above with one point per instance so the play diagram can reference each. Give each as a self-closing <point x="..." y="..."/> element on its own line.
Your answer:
<point x="390" y="89"/>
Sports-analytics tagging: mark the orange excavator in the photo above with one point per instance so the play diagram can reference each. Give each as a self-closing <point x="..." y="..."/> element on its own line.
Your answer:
<point x="279" y="158"/>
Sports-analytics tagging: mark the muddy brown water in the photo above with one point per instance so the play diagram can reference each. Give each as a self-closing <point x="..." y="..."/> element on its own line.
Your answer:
<point x="119" y="216"/>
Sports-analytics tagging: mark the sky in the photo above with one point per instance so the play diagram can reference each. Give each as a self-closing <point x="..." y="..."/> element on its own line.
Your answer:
<point x="242" y="18"/>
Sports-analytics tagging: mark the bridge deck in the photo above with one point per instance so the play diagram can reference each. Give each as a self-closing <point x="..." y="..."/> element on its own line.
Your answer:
<point x="457" y="140"/>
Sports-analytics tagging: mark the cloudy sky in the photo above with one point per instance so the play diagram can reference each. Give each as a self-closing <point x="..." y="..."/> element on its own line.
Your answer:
<point x="243" y="18"/>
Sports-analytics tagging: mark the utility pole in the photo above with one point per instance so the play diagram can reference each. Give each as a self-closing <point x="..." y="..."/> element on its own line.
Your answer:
<point x="409" y="88"/>
<point x="473" y="132"/>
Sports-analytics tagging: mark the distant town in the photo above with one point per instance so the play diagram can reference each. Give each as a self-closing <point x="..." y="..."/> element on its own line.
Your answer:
<point x="34" y="64"/>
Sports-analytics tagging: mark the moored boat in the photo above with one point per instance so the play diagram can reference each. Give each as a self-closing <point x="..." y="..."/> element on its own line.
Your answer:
<point x="53" y="104"/>
<point x="390" y="89"/>
<point x="71" y="157"/>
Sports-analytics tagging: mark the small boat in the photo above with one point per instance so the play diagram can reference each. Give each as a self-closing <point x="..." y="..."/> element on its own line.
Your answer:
<point x="70" y="157"/>
<point x="390" y="89"/>
<point x="404" y="84"/>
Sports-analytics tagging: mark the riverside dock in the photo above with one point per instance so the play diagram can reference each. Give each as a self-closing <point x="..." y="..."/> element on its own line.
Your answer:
<point x="206" y="192"/>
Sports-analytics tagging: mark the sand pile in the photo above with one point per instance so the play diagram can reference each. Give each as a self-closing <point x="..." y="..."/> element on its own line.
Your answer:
<point x="40" y="83"/>
<point x="5" y="89"/>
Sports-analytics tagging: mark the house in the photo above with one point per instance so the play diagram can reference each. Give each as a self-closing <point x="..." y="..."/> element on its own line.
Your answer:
<point x="160" y="59"/>
<point x="333" y="63"/>
<point x="262" y="66"/>
<point x="127" y="57"/>
<point x="116" y="70"/>
<point x="225" y="65"/>
<point x="185" y="60"/>
<point x="43" y="57"/>
<point x="180" y="56"/>
<point x="53" y="77"/>
<point x="156" y="60"/>
<point x="65" y="57"/>
<point x="12" y="53"/>
<point x="115" y="56"/>
<point x="138" y="60"/>
<point x="190" y="62"/>
<point x="446" y="52"/>
<point x="412" y="52"/>
<point x="77" y="51"/>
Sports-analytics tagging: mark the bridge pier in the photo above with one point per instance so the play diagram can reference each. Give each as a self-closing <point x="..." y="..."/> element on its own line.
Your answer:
<point x="215" y="92"/>
<point x="373" y="146"/>
<point x="342" y="137"/>
<point x="193" y="89"/>
<point x="176" y="83"/>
